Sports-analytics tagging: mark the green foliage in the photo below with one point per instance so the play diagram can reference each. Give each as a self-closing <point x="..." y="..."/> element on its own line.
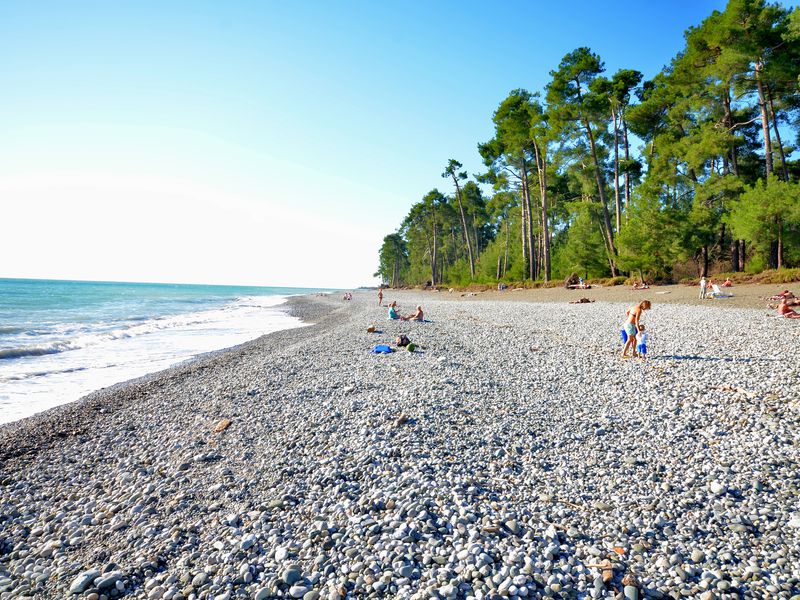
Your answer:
<point x="583" y="251"/>
<point x="393" y="268"/>
<point x="715" y="182"/>
<point x="768" y="212"/>
<point x="648" y="241"/>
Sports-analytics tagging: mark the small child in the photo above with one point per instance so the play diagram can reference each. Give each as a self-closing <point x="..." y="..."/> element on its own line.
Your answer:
<point x="641" y="341"/>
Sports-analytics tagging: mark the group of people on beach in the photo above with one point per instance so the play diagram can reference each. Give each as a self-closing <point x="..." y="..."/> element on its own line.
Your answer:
<point x="417" y="315"/>
<point x="707" y="287"/>
<point x="786" y="300"/>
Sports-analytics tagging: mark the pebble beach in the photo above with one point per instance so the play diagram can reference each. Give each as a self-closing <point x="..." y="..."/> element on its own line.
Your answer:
<point x="512" y="455"/>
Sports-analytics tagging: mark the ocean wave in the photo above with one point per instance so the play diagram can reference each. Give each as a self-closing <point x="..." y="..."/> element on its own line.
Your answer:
<point x="34" y="374"/>
<point x="72" y="336"/>
<point x="5" y="329"/>
<point x="22" y="351"/>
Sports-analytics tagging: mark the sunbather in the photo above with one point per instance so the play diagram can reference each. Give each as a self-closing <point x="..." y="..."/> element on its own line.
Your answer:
<point x="581" y="301"/>
<point x="393" y="311"/>
<point x="415" y="316"/>
<point x="786" y="312"/>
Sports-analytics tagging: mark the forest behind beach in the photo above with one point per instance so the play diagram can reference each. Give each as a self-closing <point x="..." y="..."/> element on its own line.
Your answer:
<point x="610" y="175"/>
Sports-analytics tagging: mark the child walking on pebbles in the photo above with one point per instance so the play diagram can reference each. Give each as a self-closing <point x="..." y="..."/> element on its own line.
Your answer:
<point x="641" y="341"/>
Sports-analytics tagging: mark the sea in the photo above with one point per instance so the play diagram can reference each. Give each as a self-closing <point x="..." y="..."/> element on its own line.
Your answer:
<point x="60" y="340"/>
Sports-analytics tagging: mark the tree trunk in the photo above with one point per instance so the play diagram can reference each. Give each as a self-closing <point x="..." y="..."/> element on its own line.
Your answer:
<point x="465" y="228"/>
<point x="741" y="255"/>
<point x="773" y="254"/>
<point x="728" y="120"/>
<point x="601" y="188"/>
<point x="505" y="258"/>
<point x="431" y="257"/>
<point x="780" y="243"/>
<point x="541" y="169"/>
<point x="499" y="264"/>
<point x="435" y="257"/>
<point x="777" y="135"/>
<point x="735" y="255"/>
<point x="617" y="203"/>
<point x="527" y="200"/>
<point x="524" y="223"/>
<point x="704" y="261"/>
<point x="762" y="104"/>
<point x="627" y="175"/>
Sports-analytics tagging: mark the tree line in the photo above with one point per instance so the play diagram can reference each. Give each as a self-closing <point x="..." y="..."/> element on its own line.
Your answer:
<point x="607" y="175"/>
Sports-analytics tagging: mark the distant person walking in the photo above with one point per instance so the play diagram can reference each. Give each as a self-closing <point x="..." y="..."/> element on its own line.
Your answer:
<point x="702" y="288"/>
<point x="380" y="296"/>
<point x="631" y="327"/>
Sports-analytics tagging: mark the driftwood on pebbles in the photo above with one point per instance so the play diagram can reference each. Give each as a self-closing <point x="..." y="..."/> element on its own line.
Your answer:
<point x="300" y="465"/>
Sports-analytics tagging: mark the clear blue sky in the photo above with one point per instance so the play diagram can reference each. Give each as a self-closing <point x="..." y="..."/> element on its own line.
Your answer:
<point x="269" y="143"/>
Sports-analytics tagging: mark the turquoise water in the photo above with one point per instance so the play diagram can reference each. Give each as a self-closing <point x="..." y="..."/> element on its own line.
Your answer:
<point x="60" y="340"/>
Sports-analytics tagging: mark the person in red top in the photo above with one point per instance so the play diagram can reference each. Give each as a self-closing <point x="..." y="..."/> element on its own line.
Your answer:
<point x="727" y="283"/>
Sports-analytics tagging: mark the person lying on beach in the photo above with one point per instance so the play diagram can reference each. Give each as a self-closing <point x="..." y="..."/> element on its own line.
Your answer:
<point x="787" y="301"/>
<point x="631" y="327"/>
<point x="786" y="312"/>
<point x="393" y="311"/>
<point x="784" y="294"/>
<point x="415" y="316"/>
<point x="581" y="301"/>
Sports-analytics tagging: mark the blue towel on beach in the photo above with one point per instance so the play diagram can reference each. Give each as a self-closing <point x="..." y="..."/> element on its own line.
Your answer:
<point x="381" y="349"/>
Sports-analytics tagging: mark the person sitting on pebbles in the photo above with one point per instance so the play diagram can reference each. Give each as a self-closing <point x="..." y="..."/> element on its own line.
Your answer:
<point x="393" y="314"/>
<point x="786" y="312"/>
<point x="415" y="316"/>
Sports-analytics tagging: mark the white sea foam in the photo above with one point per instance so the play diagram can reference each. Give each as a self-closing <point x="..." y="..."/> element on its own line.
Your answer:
<point x="49" y="366"/>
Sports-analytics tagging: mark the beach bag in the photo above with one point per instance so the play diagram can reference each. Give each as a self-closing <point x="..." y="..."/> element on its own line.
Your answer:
<point x="382" y="349"/>
<point x="402" y="340"/>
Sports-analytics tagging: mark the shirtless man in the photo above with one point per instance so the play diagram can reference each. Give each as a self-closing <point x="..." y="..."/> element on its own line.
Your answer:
<point x="416" y="316"/>
<point x="786" y="312"/>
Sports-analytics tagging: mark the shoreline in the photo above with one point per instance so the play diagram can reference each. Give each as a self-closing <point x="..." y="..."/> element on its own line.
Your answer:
<point x="344" y="473"/>
<point x="39" y="429"/>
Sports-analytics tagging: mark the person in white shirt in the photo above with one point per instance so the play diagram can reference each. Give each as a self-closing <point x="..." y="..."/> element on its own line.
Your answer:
<point x="641" y="341"/>
<point x="702" y="288"/>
